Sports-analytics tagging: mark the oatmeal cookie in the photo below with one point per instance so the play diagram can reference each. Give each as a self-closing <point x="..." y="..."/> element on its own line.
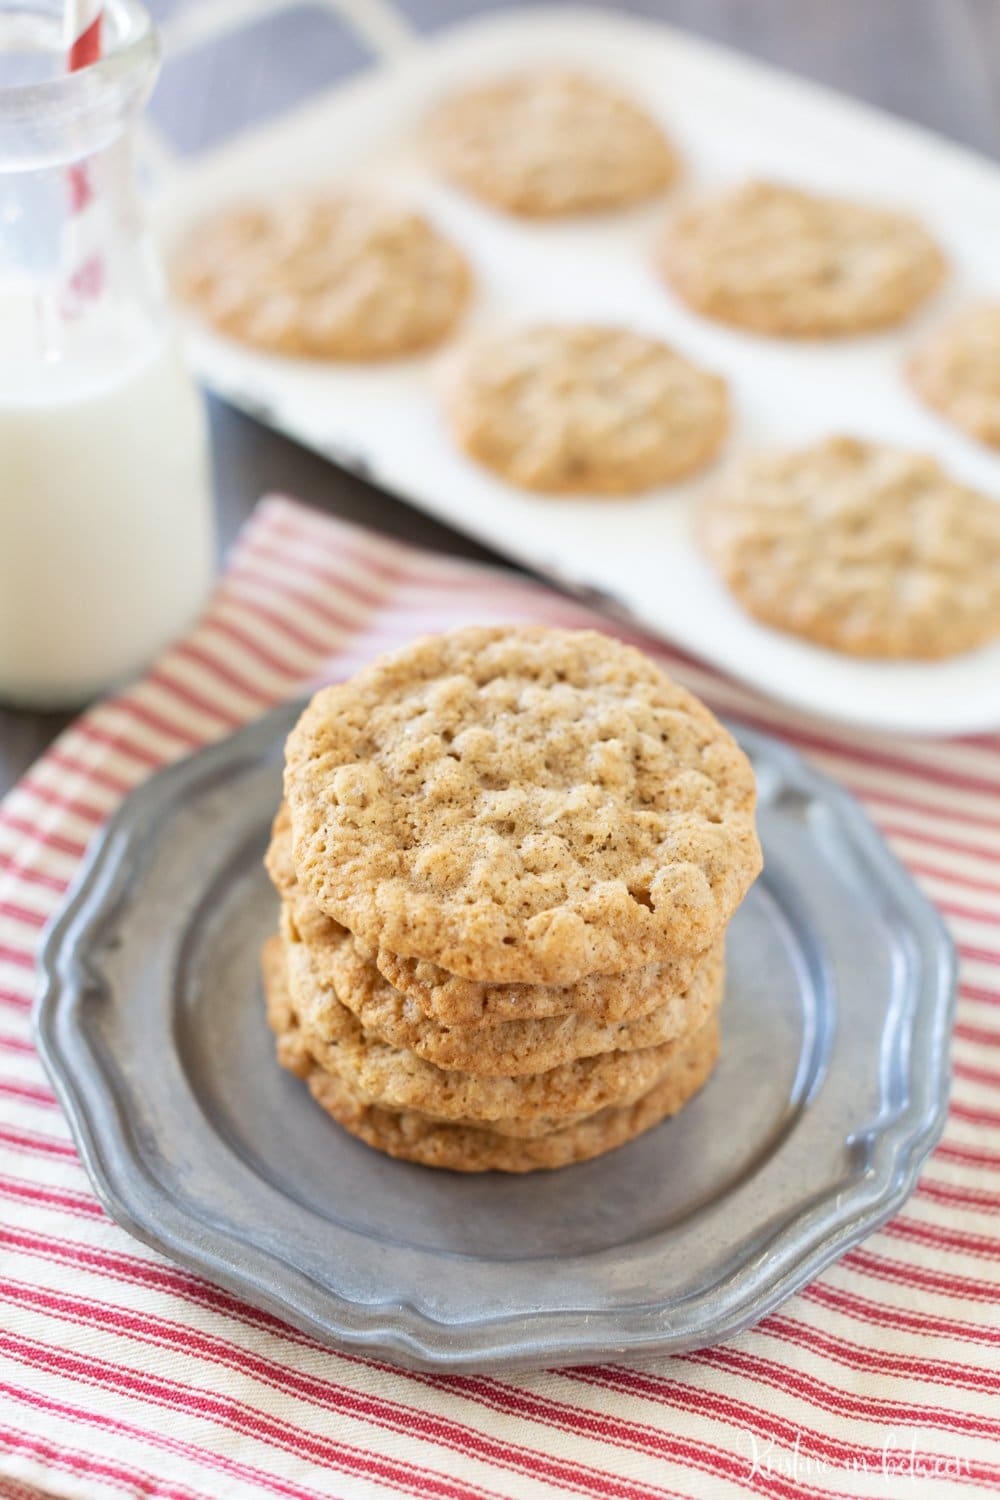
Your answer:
<point x="397" y="1078"/>
<point x="325" y="276"/>
<point x="465" y="1147"/>
<point x="511" y="1049"/>
<point x="957" y="371"/>
<point x="519" y="804"/>
<point x="550" y="142"/>
<point x="778" y="260"/>
<point x="859" y="547"/>
<point x="603" y="1000"/>
<point x="581" y="409"/>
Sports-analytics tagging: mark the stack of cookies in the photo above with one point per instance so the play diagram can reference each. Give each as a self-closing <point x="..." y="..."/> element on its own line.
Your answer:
<point x="506" y="860"/>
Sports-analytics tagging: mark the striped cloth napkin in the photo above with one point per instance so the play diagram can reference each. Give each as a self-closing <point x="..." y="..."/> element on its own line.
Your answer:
<point x="121" y="1375"/>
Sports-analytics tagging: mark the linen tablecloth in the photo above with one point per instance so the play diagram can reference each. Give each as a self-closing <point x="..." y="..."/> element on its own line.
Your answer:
<point x="123" y="1375"/>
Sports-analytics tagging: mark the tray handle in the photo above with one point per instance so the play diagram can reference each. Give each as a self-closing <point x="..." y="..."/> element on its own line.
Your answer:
<point x="379" y="25"/>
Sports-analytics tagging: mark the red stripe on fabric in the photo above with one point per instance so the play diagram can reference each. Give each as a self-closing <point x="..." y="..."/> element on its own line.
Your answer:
<point x="936" y="841"/>
<point x="903" y="1320"/>
<point x="137" y="1482"/>
<point x="967" y="1155"/>
<point x="853" y="1356"/>
<point x="945" y="1283"/>
<point x="250" y="1422"/>
<point x="989" y="1076"/>
<point x="85" y="811"/>
<point x="84" y="1204"/>
<point x="345" y="625"/>
<point x="939" y="812"/>
<point x="525" y="1405"/>
<point x="251" y="601"/>
<point x="147" y="1484"/>
<point x="16" y="1044"/>
<point x="220" y="669"/>
<point x="977" y="1246"/>
<point x="73" y="847"/>
<point x="961" y="1197"/>
<point x="979" y="993"/>
<point x="937" y="872"/>
<point x="32" y="1140"/>
<point x="134" y="708"/>
<point x="16" y="1001"/>
<point x="331" y="1396"/>
<point x="119" y="744"/>
<point x="185" y="694"/>
<point x="22" y="914"/>
<point x="695" y="1401"/>
<point x="155" y="1276"/>
<point x="682" y="1395"/>
<point x="321" y="606"/>
<point x="56" y="755"/>
<point x="987" y="1117"/>
<point x="967" y="913"/>
<point x="978" y="955"/>
<point x="13" y="1088"/>
<point x="275" y="663"/>
<point x="820" y="1394"/>
<point x="370" y="598"/>
<point x="864" y="754"/>
<point x="977" y="1034"/>
<point x="18" y="956"/>
<point x="31" y="876"/>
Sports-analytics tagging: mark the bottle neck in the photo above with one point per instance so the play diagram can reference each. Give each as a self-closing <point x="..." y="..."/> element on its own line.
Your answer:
<point x="81" y="291"/>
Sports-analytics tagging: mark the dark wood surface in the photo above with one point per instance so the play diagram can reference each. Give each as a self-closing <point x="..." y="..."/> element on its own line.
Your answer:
<point x="933" y="61"/>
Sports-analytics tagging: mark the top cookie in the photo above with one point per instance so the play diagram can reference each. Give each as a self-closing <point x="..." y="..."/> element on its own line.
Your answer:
<point x="582" y="409"/>
<point x="550" y="142"/>
<point x="859" y="547"/>
<point x="957" y="371"/>
<point x="779" y="260"/>
<point x="329" y="276"/>
<point x="521" y="804"/>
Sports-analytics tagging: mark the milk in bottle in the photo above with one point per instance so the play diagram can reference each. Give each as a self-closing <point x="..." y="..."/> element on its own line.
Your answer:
<point x="106" y="542"/>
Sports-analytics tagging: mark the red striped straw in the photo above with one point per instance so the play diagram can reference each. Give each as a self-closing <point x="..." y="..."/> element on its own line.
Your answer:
<point x="83" y="19"/>
<point x="83" y="28"/>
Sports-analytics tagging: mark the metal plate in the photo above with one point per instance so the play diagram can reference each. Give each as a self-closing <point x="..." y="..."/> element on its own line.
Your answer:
<point x="831" y="1091"/>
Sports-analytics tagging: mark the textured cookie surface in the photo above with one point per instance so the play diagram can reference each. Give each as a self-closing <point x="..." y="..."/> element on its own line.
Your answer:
<point x="398" y="1079"/>
<point x="779" y="260"/>
<point x="523" y="805"/>
<point x="584" y="409"/>
<point x="466" y="1148"/>
<point x="328" y="277"/>
<point x="510" y="1049"/>
<point x="859" y="547"/>
<point x="550" y="142"/>
<point x="957" y="371"/>
<point x="600" y="999"/>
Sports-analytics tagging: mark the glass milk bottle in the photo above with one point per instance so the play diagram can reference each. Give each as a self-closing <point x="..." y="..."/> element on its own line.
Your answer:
<point x="106" y="541"/>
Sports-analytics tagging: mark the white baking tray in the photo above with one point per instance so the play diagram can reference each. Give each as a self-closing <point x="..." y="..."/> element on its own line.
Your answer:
<point x="731" y="118"/>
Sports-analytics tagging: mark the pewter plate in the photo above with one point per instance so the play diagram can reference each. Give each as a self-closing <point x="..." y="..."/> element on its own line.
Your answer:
<point x="831" y="1091"/>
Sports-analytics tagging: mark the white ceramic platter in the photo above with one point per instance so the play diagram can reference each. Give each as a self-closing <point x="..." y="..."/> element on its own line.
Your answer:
<point x="731" y="118"/>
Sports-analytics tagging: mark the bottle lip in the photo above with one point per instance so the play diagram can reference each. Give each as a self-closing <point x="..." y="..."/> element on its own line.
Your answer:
<point x="73" y="113"/>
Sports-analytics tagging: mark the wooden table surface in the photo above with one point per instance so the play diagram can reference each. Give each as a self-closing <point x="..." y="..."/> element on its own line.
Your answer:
<point x="933" y="61"/>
